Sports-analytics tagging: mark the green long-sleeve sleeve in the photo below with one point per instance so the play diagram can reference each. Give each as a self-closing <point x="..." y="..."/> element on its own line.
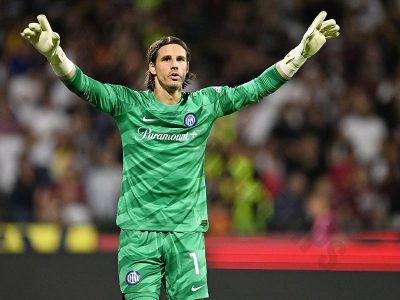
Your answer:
<point x="230" y="99"/>
<point x="109" y="98"/>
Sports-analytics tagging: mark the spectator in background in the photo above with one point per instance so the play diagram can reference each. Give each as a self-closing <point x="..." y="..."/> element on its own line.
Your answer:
<point x="102" y="185"/>
<point x="319" y="208"/>
<point x="251" y="204"/>
<point x="67" y="184"/>
<point x="11" y="150"/>
<point x="70" y="192"/>
<point x="304" y="156"/>
<point x="20" y="207"/>
<point x="44" y="122"/>
<point x="389" y="185"/>
<point x="362" y="128"/>
<point x="289" y="207"/>
<point x="220" y="219"/>
<point x="269" y="166"/>
<point x="371" y="208"/>
<point x="47" y="206"/>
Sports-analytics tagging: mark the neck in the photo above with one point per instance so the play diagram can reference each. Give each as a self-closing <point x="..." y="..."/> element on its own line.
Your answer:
<point x="172" y="96"/>
<point x="168" y="97"/>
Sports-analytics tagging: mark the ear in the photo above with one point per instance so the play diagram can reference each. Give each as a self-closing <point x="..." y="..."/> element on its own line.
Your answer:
<point x="152" y="68"/>
<point x="187" y="70"/>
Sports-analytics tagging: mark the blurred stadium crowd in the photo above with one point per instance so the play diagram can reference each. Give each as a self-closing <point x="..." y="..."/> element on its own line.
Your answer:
<point x="321" y="154"/>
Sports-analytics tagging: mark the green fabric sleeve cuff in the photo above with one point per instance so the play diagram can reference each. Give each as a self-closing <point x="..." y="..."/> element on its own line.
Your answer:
<point x="269" y="81"/>
<point x="71" y="81"/>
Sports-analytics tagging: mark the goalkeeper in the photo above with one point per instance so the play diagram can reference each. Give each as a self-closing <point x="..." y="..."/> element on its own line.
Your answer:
<point x="162" y="209"/>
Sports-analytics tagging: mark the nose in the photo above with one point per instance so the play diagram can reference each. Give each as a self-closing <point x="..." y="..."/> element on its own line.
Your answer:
<point x="174" y="64"/>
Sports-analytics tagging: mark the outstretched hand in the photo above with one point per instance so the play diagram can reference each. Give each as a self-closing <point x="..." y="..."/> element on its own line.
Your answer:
<point x="314" y="38"/>
<point x="42" y="37"/>
<point x="317" y="34"/>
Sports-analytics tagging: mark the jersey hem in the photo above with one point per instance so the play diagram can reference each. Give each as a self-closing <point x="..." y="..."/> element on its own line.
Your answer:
<point x="164" y="229"/>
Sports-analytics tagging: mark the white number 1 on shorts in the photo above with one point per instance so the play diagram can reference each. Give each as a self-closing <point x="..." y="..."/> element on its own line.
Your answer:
<point x="196" y="264"/>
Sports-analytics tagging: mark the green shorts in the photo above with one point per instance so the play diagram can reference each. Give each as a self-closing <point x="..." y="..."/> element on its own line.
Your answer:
<point x="148" y="258"/>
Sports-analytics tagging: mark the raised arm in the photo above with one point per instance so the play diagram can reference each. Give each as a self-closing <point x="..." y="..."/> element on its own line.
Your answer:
<point x="112" y="99"/>
<point x="228" y="100"/>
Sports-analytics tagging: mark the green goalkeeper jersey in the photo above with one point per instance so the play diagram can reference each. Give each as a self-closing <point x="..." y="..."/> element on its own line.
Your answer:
<point x="163" y="186"/>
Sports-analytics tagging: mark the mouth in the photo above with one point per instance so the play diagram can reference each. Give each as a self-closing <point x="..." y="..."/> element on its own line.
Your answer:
<point x="175" y="76"/>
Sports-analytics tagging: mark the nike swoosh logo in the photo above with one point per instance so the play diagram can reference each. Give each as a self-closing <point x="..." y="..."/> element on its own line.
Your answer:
<point x="149" y="120"/>
<point x="194" y="289"/>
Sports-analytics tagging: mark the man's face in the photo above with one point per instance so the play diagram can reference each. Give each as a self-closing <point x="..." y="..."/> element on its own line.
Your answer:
<point x="171" y="67"/>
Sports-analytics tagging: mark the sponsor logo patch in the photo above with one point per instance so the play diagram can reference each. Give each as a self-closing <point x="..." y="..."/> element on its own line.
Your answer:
<point x="132" y="277"/>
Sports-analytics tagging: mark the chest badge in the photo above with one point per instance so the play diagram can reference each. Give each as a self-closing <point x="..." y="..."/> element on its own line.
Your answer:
<point x="190" y="119"/>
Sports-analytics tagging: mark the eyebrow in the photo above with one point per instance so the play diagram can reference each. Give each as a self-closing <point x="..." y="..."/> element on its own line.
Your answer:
<point x="182" y="57"/>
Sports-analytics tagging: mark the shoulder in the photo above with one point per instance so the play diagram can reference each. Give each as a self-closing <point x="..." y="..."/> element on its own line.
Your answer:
<point x="209" y="93"/>
<point x="211" y="90"/>
<point x="127" y="94"/>
<point x="124" y="89"/>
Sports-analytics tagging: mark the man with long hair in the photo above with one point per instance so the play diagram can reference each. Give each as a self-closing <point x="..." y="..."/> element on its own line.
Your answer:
<point x="162" y="209"/>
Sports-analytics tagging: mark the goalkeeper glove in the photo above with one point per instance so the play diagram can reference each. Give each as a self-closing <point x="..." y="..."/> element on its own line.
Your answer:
<point x="47" y="42"/>
<point x="314" y="38"/>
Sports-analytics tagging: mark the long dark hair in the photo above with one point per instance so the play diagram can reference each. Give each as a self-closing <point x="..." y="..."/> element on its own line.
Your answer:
<point x="152" y="53"/>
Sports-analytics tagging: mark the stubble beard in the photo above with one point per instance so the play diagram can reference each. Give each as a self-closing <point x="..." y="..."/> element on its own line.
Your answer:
<point x="172" y="86"/>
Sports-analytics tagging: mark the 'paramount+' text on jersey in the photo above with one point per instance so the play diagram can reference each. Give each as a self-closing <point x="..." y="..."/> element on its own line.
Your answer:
<point x="163" y="185"/>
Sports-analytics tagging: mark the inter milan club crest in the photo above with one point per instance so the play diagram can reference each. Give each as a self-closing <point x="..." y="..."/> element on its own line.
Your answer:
<point x="132" y="278"/>
<point x="190" y="120"/>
